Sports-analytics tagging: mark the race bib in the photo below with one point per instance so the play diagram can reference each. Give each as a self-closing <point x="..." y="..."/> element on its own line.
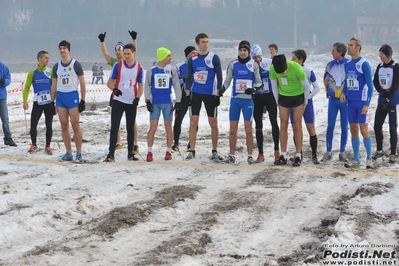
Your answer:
<point x="201" y="77"/>
<point x="43" y="97"/>
<point x="161" y="81"/>
<point x="242" y="85"/>
<point x="352" y="84"/>
<point x="284" y="81"/>
<point x="265" y="87"/>
<point x="66" y="81"/>
<point x="385" y="82"/>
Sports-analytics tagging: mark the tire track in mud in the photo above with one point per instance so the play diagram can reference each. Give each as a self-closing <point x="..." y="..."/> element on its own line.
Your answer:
<point x="122" y="217"/>
<point x="190" y="242"/>
<point x="312" y="252"/>
<point x="195" y="241"/>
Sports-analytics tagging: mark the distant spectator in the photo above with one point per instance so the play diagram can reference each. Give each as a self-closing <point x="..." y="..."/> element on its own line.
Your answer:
<point x="95" y="72"/>
<point x="273" y="50"/>
<point x="100" y="75"/>
<point x="5" y="80"/>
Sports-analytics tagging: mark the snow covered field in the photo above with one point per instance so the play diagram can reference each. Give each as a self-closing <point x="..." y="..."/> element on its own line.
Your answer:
<point x="191" y="213"/>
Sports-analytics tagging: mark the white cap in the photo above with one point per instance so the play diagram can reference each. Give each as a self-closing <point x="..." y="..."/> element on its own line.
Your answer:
<point x="255" y="50"/>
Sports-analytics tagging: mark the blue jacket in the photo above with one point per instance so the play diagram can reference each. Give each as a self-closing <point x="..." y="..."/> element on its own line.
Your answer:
<point x="4" y="73"/>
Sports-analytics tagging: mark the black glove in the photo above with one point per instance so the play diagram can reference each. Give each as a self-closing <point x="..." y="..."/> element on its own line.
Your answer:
<point x="259" y="88"/>
<point x="136" y="101"/>
<point x="221" y="91"/>
<point x="82" y="106"/>
<point x="133" y="34"/>
<point x="2" y="81"/>
<point x="53" y="108"/>
<point x="216" y="101"/>
<point x="150" y="108"/>
<point x="117" y="92"/>
<point x="249" y="91"/>
<point x="101" y="36"/>
<point x="188" y="97"/>
<point x="177" y="107"/>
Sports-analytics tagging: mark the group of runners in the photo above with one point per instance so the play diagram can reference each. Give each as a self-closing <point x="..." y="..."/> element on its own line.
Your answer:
<point x="258" y="83"/>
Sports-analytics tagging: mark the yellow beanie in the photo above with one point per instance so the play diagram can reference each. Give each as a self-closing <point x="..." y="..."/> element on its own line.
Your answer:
<point x="162" y="53"/>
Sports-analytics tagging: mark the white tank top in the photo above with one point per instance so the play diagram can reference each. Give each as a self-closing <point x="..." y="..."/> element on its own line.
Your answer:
<point x="67" y="79"/>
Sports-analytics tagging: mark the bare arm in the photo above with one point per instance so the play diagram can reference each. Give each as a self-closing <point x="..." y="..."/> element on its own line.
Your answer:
<point x="53" y="88"/>
<point x="53" y="82"/>
<point x="110" y="84"/>
<point x="82" y="88"/>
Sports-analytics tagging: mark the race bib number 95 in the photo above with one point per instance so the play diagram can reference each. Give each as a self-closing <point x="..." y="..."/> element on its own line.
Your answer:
<point x="161" y="81"/>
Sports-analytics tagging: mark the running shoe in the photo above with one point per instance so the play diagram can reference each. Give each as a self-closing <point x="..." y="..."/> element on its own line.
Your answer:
<point x="190" y="156"/>
<point x="78" y="157"/>
<point x="48" y="150"/>
<point x="281" y="160"/>
<point x="110" y="159"/>
<point x="276" y="157"/>
<point x="327" y="157"/>
<point x="315" y="160"/>
<point x="251" y="161"/>
<point x="392" y="158"/>
<point x="136" y="149"/>
<point x="230" y="159"/>
<point x="342" y="157"/>
<point x="118" y="146"/>
<point x="378" y="154"/>
<point x="9" y="142"/>
<point x="260" y="158"/>
<point x="32" y="148"/>
<point x="131" y="157"/>
<point x="149" y="157"/>
<point x="168" y="156"/>
<point x="215" y="157"/>
<point x="371" y="164"/>
<point x="293" y="158"/>
<point x="67" y="157"/>
<point x="175" y="148"/>
<point x="297" y="161"/>
<point x="354" y="165"/>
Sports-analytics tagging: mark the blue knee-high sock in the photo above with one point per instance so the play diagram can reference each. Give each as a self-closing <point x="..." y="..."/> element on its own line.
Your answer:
<point x="367" y="144"/>
<point x="356" y="148"/>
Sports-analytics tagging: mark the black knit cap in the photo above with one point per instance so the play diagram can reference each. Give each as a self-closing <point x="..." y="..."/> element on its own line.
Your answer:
<point x="279" y="63"/>
<point x="66" y="44"/>
<point x="386" y="50"/>
<point x="188" y="50"/>
<point x="244" y="44"/>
